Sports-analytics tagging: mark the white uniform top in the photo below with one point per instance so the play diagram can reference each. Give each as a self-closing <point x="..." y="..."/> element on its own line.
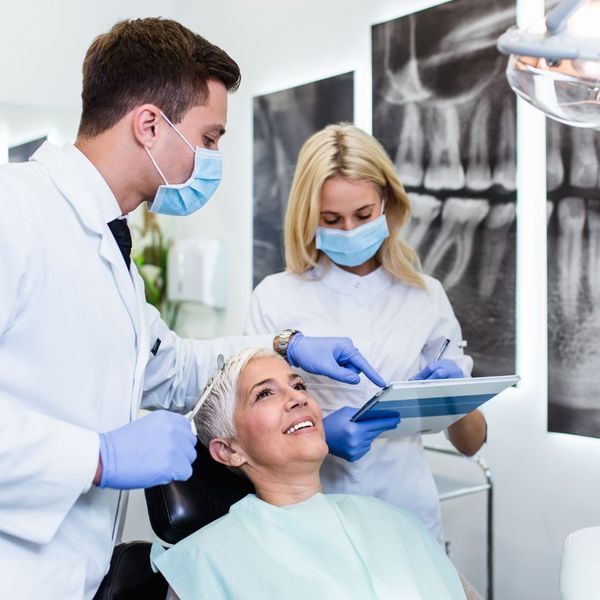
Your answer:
<point x="75" y="341"/>
<point x="399" y="329"/>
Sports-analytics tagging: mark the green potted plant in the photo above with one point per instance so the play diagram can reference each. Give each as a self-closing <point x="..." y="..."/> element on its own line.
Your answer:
<point x="151" y="253"/>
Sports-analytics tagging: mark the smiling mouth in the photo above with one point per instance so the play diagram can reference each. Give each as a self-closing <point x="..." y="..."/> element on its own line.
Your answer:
<point x="298" y="426"/>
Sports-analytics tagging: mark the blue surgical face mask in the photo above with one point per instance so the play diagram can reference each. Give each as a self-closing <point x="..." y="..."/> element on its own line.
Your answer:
<point x="185" y="198"/>
<point x="355" y="247"/>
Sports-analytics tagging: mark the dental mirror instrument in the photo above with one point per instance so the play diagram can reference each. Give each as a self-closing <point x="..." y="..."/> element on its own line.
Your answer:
<point x="208" y="390"/>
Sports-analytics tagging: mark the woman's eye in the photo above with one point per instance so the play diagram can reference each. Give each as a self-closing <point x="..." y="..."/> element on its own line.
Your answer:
<point x="300" y="385"/>
<point x="263" y="394"/>
<point x="330" y="222"/>
<point x="209" y="142"/>
<point x="363" y="217"/>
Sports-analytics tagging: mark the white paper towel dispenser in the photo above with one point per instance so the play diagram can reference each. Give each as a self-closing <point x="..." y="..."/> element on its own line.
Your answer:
<point x="197" y="272"/>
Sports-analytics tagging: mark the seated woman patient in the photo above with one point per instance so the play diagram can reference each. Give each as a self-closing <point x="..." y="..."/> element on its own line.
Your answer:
<point x="289" y="540"/>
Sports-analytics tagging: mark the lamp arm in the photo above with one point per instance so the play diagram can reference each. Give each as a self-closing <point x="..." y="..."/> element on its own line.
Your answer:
<point x="557" y="18"/>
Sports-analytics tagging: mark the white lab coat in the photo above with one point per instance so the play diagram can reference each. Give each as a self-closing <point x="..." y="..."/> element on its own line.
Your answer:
<point x="399" y="329"/>
<point x="75" y="340"/>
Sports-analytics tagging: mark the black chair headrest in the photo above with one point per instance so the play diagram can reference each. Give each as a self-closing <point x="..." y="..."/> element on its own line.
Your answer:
<point x="180" y="508"/>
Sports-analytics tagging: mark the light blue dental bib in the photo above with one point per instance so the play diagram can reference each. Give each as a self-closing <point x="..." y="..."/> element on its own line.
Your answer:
<point x="335" y="546"/>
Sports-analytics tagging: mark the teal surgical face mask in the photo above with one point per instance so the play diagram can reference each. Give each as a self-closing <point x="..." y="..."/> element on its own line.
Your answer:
<point x="355" y="247"/>
<point x="185" y="198"/>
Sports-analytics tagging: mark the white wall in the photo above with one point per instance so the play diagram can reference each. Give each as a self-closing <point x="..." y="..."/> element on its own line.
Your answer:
<point x="42" y="45"/>
<point x="546" y="484"/>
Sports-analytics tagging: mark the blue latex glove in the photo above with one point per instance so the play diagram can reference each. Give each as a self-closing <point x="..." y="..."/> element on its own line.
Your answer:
<point x="153" y="450"/>
<point x="353" y="440"/>
<point x="335" y="357"/>
<point x="439" y="369"/>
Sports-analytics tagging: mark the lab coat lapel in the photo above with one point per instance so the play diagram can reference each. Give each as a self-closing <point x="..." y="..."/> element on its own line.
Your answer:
<point x="73" y="187"/>
<point x="142" y="338"/>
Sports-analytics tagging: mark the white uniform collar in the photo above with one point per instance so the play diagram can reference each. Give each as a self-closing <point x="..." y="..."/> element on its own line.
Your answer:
<point x="348" y="283"/>
<point x="105" y="200"/>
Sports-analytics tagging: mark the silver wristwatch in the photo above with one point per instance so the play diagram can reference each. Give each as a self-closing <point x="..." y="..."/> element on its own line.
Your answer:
<point x="283" y="341"/>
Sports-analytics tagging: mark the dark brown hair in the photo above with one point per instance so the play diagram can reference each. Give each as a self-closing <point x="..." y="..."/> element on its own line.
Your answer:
<point x="149" y="60"/>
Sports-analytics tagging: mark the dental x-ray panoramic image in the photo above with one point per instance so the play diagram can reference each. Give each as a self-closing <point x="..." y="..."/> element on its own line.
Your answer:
<point x="444" y="113"/>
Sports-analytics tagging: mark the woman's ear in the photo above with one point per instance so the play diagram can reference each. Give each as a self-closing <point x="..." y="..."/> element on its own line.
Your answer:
<point x="226" y="453"/>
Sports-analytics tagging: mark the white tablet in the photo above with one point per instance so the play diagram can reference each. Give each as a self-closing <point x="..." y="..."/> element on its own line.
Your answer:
<point x="431" y="405"/>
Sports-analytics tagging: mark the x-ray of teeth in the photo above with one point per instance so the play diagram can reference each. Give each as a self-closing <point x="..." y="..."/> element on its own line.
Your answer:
<point x="505" y="167"/>
<point x="555" y="172"/>
<point x="593" y="254"/>
<point x="425" y="209"/>
<point x="283" y="121"/>
<point x="445" y="114"/>
<point x="495" y="245"/>
<point x="460" y="219"/>
<point x="584" y="162"/>
<point x="479" y="170"/>
<point x="445" y="170"/>
<point x="571" y="223"/>
<point x="404" y="85"/>
<point x="411" y="146"/>
<point x="573" y="279"/>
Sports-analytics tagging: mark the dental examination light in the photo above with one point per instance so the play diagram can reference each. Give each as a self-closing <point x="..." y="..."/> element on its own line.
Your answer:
<point x="555" y="63"/>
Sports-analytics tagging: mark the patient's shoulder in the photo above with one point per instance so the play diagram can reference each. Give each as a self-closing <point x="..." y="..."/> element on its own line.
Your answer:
<point x="197" y="548"/>
<point x="213" y="531"/>
<point x="202" y="538"/>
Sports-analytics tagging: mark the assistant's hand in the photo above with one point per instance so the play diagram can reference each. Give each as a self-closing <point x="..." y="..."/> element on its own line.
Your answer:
<point x="350" y="440"/>
<point x="439" y="369"/>
<point x="153" y="450"/>
<point x="335" y="357"/>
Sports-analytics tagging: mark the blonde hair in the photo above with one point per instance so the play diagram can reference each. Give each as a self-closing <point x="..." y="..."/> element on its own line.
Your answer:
<point x="346" y="151"/>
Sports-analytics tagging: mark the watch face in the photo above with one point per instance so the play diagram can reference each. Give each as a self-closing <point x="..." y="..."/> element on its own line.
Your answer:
<point x="284" y="340"/>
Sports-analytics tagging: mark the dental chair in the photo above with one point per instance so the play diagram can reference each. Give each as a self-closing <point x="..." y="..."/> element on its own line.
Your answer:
<point x="176" y="510"/>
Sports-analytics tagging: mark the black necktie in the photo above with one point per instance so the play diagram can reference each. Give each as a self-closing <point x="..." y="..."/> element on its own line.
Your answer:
<point x="122" y="235"/>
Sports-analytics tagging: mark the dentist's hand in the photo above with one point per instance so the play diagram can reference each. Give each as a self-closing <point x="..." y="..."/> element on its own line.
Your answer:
<point x="439" y="369"/>
<point x="335" y="357"/>
<point x="153" y="450"/>
<point x="350" y="440"/>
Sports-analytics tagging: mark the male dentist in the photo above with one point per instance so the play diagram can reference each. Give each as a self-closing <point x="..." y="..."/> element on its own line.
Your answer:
<point x="80" y="350"/>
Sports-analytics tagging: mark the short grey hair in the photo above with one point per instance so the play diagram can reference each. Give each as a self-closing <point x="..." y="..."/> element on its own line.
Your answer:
<point x="215" y="418"/>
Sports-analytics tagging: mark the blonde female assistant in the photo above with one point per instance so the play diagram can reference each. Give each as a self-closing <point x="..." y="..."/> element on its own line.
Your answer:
<point x="349" y="272"/>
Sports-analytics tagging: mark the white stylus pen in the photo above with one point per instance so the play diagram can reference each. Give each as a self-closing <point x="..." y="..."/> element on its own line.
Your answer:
<point x="443" y="349"/>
